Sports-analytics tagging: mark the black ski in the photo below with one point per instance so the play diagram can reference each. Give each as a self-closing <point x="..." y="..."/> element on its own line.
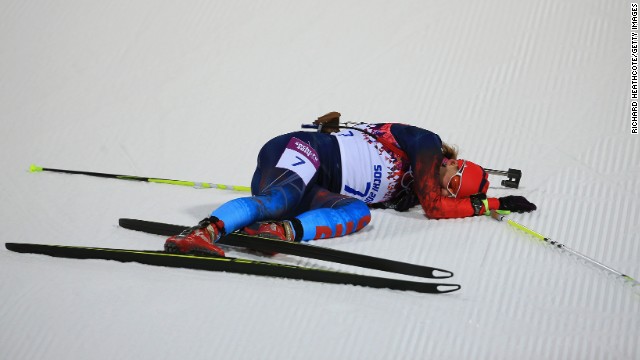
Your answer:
<point x="297" y="249"/>
<point x="232" y="265"/>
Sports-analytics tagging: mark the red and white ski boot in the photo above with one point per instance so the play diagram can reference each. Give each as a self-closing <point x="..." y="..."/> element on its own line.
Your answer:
<point x="197" y="240"/>
<point x="276" y="230"/>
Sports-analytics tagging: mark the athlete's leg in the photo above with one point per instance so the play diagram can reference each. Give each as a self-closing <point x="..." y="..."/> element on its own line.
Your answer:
<point x="286" y="165"/>
<point x="331" y="215"/>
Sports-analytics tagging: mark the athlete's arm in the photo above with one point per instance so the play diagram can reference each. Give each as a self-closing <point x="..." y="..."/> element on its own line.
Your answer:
<point x="424" y="149"/>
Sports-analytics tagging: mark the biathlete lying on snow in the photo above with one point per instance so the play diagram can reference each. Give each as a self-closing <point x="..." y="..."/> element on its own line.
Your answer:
<point x="314" y="185"/>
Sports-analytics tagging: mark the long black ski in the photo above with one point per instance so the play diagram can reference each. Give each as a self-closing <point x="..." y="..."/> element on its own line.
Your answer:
<point x="297" y="249"/>
<point x="232" y="265"/>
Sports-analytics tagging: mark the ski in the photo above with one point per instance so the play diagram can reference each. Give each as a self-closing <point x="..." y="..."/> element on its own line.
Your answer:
<point x="230" y="265"/>
<point x="297" y="249"/>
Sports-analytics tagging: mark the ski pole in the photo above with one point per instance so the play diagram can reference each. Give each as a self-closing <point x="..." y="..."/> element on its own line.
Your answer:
<point x="513" y="176"/>
<point x="198" y="185"/>
<point x="500" y="217"/>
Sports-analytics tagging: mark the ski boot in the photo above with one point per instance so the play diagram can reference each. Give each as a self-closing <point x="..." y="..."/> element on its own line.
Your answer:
<point x="276" y="230"/>
<point x="198" y="240"/>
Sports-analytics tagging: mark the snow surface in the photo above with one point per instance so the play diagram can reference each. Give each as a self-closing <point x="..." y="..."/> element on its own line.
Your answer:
<point x="191" y="90"/>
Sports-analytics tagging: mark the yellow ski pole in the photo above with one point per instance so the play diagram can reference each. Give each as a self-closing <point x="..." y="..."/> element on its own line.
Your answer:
<point x="501" y="217"/>
<point x="195" y="184"/>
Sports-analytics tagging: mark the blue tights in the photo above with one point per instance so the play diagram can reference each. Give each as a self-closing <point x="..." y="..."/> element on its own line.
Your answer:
<point x="282" y="194"/>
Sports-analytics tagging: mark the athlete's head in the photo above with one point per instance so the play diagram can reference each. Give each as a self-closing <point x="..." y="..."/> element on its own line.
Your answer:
<point x="462" y="178"/>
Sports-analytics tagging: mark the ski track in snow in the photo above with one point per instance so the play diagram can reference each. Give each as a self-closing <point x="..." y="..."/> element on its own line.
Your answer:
<point x="193" y="91"/>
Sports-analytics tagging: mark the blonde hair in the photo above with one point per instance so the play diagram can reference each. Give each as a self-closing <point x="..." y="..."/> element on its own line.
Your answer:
<point x="450" y="152"/>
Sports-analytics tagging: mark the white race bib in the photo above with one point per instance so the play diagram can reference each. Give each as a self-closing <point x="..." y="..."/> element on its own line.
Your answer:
<point x="300" y="158"/>
<point x="369" y="172"/>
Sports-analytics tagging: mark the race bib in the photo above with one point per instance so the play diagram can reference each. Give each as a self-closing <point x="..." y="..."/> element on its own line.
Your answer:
<point x="300" y="158"/>
<point x="369" y="172"/>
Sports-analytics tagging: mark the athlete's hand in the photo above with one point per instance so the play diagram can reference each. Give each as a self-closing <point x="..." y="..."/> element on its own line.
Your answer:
<point x="516" y="204"/>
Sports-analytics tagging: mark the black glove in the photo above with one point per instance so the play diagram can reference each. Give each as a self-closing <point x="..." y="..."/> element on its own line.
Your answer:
<point x="404" y="201"/>
<point x="516" y="204"/>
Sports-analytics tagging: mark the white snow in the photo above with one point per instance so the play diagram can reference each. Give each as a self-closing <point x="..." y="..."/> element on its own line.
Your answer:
<point x="191" y="90"/>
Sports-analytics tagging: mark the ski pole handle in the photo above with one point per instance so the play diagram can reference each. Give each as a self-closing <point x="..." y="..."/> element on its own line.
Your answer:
<point x="513" y="176"/>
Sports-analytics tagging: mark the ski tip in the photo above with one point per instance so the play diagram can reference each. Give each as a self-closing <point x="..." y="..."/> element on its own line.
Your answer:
<point x="441" y="274"/>
<point x="35" y="168"/>
<point x="447" y="288"/>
